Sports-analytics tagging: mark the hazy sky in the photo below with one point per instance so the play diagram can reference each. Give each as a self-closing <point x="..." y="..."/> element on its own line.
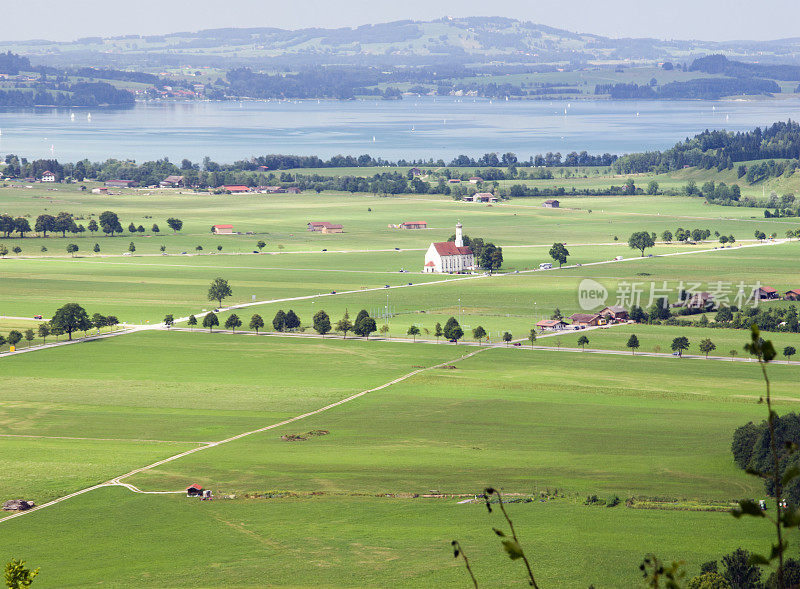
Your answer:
<point x="673" y="19"/>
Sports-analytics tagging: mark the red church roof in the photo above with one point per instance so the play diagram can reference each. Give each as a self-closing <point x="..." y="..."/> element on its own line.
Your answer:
<point x="449" y="248"/>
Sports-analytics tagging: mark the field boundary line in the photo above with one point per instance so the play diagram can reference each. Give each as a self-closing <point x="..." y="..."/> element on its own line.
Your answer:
<point x="117" y="481"/>
<point x="101" y="439"/>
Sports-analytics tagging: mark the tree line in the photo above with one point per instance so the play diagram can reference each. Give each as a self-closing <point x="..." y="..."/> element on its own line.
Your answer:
<point x="68" y="319"/>
<point x="64" y="222"/>
<point x="718" y="149"/>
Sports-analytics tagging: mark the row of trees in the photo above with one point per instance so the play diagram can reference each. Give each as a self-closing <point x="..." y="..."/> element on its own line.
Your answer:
<point x="67" y="320"/>
<point x="65" y="222"/>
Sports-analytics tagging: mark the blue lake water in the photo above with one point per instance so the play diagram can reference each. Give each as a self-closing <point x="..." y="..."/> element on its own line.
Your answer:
<point x="410" y="128"/>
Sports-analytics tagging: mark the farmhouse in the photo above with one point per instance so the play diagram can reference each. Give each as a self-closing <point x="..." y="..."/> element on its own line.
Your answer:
<point x="101" y="190"/>
<point x="552" y="324"/>
<point x="332" y="229"/>
<point x="293" y="190"/>
<point x="480" y="197"/>
<point x="223" y="229"/>
<point x="321" y="225"/>
<point x="48" y="176"/>
<point x="614" y="313"/>
<point x="171" y="182"/>
<point x="550" y="204"/>
<point x="792" y="295"/>
<point x="585" y="319"/>
<point x="449" y="256"/>
<point x="414" y="225"/>
<point x="700" y="300"/>
<point x="120" y="183"/>
<point x="194" y="490"/>
<point x="765" y="293"/>
<point x="475" y="180"/>
<point x="235" y="188"/>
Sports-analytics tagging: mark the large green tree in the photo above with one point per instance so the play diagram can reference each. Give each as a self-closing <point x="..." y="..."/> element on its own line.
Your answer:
<point x="680" y="344"/>
<point x="45" y="223"/>
<point x="71" y="317"/>
<point x="413" y="331"/>
<point x="232" y="322"/>
<point x="364" y="325"/>
<point x="641" y="240"/>
<point x="322" y="322"/>
<point x="210" y="321"/>
<point x="109" y="223"/>
<point x="219" y="290"/>
<point x="559" y="253"/>
<point x="479" y="333"/>
<point x="256" y="322"/>
<point x="292" y="320"/>
<point x="452" y="330"/>
<point x="633" y="343"/>
<point x="279" y="321"/>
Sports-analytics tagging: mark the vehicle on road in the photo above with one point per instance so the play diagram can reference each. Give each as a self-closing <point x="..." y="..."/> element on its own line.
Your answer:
<point x="618" y="258"/>
<point x="545" y="266"/>
<point x="517" y="344"/>
<point x="37" y="316"/>
<point x="386" y="286"/>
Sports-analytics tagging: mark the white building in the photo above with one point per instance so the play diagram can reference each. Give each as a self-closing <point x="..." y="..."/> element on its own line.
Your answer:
<point x="449" y="256"/>
<point x="48" y="176"/>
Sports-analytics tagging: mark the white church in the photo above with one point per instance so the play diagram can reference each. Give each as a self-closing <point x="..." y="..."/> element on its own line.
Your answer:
<point x="449" y="256"/>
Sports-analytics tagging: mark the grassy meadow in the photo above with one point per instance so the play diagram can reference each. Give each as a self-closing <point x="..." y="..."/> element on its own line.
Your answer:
<point x="340" y="509"/>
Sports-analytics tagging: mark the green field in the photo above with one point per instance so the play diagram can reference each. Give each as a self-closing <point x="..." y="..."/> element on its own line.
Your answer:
<point x="527" y="427"/>
<point x="341" y="509"/>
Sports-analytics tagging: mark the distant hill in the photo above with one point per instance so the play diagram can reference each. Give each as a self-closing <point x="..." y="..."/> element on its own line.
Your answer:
<point x="449" y="40"/>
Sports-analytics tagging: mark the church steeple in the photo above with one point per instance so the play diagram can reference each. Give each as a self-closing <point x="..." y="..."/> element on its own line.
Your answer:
<point x="459" y="236"/>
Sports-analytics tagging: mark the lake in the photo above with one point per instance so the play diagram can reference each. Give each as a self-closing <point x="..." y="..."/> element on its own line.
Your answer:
<point x="425" y="127"/>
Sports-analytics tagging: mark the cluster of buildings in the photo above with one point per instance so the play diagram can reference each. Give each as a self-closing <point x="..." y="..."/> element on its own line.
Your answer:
<point x="480" y="197"/>
<point x="242" y="189"/>
<point x="410" y="225"/>
<point x="605" y="316"/>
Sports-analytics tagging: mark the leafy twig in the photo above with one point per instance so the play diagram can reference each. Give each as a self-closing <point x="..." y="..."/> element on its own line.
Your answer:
<point x="458" y="551"/>
<point x="512" y="547"/>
